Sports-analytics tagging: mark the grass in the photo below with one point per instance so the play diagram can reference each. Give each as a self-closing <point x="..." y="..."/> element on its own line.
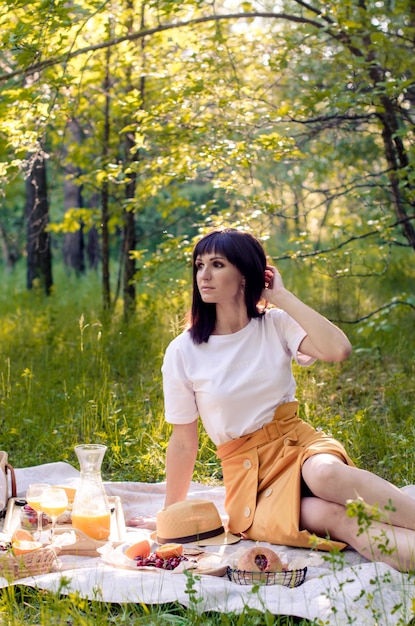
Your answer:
<point x="67" y="376"/>
<point x="21" y="605"/>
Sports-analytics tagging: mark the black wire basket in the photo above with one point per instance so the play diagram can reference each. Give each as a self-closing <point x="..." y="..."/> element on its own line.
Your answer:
<point x="288" y="578"/>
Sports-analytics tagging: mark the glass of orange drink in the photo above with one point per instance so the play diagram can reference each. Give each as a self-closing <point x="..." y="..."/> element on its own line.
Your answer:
<point x="33" y="498"/>
<point x="54" y="502"/>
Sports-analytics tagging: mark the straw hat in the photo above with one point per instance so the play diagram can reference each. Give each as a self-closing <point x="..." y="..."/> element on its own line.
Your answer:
<point x="192" y="521"/>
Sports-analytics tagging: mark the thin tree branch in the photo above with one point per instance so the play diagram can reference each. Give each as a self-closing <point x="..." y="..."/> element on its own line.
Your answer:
<point x="369" y="315"/>
<point x="342" y="244"/>
<point x="64" y="58"/>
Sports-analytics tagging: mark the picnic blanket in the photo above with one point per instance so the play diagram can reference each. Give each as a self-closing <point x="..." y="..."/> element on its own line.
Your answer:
<point x="352" y="590"/>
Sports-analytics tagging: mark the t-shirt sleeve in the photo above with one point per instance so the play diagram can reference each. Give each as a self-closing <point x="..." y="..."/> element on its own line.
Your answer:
<point x="179" y="399"/>
<point x="292" y="334"/>
<point x="303" y="359"/>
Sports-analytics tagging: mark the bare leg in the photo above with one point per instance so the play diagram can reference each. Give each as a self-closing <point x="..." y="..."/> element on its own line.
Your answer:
<point x="380" y="542"/>
<point x="330" y="479"/>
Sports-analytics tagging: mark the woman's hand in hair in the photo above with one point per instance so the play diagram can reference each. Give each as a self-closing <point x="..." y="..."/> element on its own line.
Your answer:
<point x="273" y="283"/>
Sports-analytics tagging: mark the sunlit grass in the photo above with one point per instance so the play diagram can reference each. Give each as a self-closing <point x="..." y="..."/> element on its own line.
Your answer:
<point x="22" y="605"/>
<point x="67" y="376"/>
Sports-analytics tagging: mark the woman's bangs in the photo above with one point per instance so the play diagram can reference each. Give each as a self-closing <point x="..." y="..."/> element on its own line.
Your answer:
<point x="211" y="244"/>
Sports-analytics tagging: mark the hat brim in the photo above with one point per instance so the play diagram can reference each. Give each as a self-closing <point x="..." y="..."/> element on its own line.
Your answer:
<point x="223" y="539"/>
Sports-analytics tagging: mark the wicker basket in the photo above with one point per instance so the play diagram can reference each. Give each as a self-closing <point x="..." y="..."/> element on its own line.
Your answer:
<point x="288" y="578"/>
<point x="29" y="564"/>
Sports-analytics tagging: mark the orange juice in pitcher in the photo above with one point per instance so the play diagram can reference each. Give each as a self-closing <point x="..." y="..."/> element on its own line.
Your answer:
<point x="95" y="526"/>
<point x="91" y="511"/>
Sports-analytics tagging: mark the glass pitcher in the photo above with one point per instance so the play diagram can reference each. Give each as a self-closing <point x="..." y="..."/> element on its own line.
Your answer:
<point x="91" y="511"/>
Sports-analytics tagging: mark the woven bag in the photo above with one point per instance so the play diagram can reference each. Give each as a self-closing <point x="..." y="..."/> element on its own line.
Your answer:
<point x="7" y="482"/>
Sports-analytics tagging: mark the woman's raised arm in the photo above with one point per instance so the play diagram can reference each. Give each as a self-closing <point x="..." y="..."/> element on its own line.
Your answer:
<point x="324" y="340"/>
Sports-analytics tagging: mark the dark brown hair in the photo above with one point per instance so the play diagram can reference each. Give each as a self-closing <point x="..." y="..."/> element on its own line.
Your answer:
<point x="247" y="254"/>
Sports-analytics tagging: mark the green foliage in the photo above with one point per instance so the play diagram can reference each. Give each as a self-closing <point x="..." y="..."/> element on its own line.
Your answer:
<point x="287" y="116"/>
<point x="21" y="605"/>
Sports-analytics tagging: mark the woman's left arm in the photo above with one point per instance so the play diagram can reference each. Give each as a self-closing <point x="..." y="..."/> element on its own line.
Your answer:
<point x="324" y="340"/>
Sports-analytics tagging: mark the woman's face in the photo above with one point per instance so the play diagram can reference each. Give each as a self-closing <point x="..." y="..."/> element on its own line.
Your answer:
<point x="218" y="280"/>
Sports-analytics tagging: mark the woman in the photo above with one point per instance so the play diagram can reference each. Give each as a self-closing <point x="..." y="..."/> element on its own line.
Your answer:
<point x="285" y="482"/>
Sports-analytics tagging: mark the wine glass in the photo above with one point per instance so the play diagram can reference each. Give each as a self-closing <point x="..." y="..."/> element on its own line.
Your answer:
<point x="54" y="502"/>
<point x="33" y="498"/>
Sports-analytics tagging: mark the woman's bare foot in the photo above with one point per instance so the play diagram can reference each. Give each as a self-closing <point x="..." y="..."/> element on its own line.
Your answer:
<point x="142" y="521"/>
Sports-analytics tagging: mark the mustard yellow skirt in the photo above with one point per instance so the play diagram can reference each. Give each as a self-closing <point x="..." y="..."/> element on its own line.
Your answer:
<point x="262" y="477"/>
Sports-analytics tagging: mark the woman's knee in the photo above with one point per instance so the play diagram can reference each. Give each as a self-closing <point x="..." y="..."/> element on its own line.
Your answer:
<point x="324" y="475"/>
<point x="325" y="519"/>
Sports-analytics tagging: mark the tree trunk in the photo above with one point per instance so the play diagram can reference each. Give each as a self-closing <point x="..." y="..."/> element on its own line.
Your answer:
<point x="74" y="244"/>
<point x="396" y="158"/>
<point x="395" y="152"/>
<point x="92" y="248"/>
<point x="129" y="264"/>
<point x="9" y="254"/>
<point x="74" y="250"/>
<point x="106" y="288"/>
<point x="92" y="237"/>
<point x="39" y="257"/>
<point x="397" y="163"/>
<point x="129" y="241"/>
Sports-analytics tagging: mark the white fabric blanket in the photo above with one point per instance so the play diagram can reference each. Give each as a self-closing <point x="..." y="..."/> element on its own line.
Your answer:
<point x="353" y="591"/>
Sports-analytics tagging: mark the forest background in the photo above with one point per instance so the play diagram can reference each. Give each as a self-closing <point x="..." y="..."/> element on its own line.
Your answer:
<point x="130" y="128"/>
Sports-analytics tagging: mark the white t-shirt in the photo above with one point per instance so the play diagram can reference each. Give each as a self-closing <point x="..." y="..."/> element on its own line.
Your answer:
<point x="233" y="382"/>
